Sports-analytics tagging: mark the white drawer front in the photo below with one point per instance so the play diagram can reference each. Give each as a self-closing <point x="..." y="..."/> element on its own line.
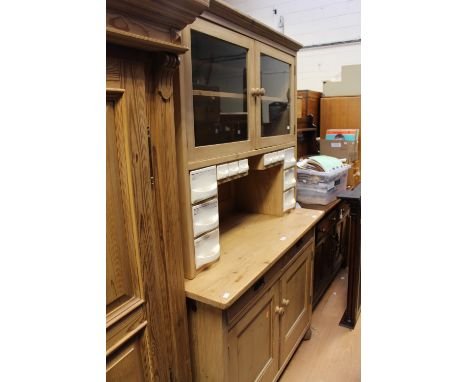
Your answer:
<point x="276" y="156"/>
<point x="281" y="155"/>
<point x="207" y="248"/>
<point x="289" y="157"/>
<point x="267" y="159"/>
<point x="289" y="178"/>
<point x="289" y="199"/>
<point x="203" y="183"/>
<point x="233" y="168"/>
<point x="205" y="217"/>
<point x="222" y="171"/>
<point x="243" y="166"/>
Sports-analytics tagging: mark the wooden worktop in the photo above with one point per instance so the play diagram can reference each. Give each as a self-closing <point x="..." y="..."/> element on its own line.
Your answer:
<point x="250" y="246"/>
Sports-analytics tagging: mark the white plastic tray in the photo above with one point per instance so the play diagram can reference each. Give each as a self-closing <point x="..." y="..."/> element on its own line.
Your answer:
<point x="207" y="248"/>
<point x="203" y="184"/>
<point x="205" y="217"/>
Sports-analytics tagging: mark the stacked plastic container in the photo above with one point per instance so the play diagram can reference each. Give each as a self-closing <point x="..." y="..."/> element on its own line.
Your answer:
<point x="316" y="187"/>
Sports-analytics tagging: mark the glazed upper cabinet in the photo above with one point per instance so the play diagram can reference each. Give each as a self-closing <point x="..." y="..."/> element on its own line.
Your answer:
<point x="238" y="93"/>
<point x="274" y="109"/>
<point x="223" y="110"/>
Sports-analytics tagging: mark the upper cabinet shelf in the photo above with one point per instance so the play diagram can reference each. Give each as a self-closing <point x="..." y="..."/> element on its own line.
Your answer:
<point x="237" y="93"/>
<point x="211" y="93"/>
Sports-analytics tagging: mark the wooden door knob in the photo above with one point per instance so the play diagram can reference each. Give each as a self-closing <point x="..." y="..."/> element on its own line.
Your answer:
<point x="261" y="91"/>
<point x="285" y="302"/>
<point x="279" y="310"/>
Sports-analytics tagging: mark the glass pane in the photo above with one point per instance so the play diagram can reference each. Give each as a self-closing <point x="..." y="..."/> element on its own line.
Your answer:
<point x="219" y="81"/>
<point x="275" y="79"/>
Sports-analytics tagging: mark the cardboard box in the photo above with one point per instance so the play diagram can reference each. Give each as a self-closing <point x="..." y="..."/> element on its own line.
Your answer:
<point x="339" y="149"/>
<point x="354" y="174"/>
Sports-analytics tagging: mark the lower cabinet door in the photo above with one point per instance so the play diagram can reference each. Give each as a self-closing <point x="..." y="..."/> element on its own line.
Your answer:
<point x="295" y="300"/>
<point x="253" y="341"/>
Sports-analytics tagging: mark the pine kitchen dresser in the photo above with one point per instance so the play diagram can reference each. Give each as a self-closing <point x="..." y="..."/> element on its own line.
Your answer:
<point x="248" y="252"/>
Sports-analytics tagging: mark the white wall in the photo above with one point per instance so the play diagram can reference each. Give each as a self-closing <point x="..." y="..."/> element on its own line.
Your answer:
<point x="317" y="65"/>
<point x="312" y="22"/>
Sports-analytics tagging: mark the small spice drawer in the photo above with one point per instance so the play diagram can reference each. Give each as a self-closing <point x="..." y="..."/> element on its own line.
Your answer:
<point x="203" y="184"/>
<point x="207" y="248"/>
<point x="289" y="157"/>
<point x="222" y="171"/>
<point x="289" y="178"/>
<point x="233" y="168"/>
<point x="289" y="199"/>
<point x="205" y="217"/>
<point x="227" y="170"/>
<point x="243" y="166"/>
<point x="273" y="157"/>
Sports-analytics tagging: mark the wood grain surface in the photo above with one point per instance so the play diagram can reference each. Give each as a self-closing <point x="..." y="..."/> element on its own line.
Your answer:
<point x="250" y="245"/>
<point x="160" y="107"/>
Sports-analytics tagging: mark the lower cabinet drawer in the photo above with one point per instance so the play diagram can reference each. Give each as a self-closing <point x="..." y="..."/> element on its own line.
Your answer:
<point x="264" y="282"/>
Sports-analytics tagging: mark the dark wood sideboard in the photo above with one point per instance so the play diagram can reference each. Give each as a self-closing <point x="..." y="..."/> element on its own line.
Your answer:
<point x="331" y="245"/>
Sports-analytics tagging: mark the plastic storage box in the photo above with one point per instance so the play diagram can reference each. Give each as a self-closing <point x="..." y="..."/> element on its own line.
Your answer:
<point x="315" y="187"/>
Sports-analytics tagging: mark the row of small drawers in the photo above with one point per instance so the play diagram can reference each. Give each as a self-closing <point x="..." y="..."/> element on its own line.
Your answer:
<point x="204" y="181"/>
<point x="286" y="155"/>
<point x="205" y="215"/>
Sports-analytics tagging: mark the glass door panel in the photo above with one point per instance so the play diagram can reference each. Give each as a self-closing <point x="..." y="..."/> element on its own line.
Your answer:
<point x="276" y="98"/>
<point x="219" y="83"/>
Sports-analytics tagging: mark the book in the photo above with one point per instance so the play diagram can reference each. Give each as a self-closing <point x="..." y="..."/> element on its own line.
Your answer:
<point x="345" y="134"/>
<point x="322" y="163"/>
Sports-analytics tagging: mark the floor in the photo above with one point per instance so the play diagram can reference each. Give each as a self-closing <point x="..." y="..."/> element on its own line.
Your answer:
<point x="333" y="354"/>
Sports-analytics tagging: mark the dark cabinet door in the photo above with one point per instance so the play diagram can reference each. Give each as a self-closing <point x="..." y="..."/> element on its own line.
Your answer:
<point x="338" y="250"/>
<point x="331" y="249"/>
<point x="344" y="233"/>
<point x="323" y="267"/>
